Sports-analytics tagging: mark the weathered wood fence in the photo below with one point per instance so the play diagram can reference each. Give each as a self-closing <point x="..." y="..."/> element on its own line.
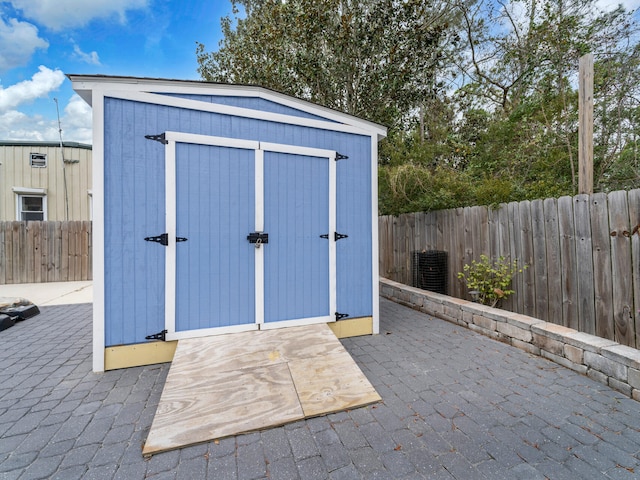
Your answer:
<point x="34" y="252"/>
<point x="582" y="252"/>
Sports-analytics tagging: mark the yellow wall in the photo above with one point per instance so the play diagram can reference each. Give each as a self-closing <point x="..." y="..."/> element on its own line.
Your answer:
<point x="16" y="171"/>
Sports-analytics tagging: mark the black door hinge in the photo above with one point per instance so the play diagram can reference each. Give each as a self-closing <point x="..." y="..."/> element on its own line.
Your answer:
<point x="158" y="336"/>
<point x="158" y="138"/>
<point x="340" y="316"/>
<point x="163" y="239"/>
<point x="337" y="236"/>
<point x="339" y="156"/>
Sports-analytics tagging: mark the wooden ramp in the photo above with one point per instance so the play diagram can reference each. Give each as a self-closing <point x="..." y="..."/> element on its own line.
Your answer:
<point x="229" y="384"/>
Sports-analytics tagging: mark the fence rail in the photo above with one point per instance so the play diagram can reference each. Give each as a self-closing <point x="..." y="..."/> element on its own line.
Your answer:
<point x="34" y="252"/>
<point x="583" y="254"/>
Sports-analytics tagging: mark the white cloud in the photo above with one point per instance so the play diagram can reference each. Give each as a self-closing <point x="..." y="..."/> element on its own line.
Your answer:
<point x="90" y="58"/>
<point x="18" y="41"/>
<point x="77" y="121"/>
<point x="608" y="5"/>
<point x="60" y="14"/>
<point x="15" y="125"/>
<point x="40" y="85"/>
<point x="76" y="124"/>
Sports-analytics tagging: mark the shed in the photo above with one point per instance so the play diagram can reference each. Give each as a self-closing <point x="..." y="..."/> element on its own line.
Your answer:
<point x="224" y="208"/>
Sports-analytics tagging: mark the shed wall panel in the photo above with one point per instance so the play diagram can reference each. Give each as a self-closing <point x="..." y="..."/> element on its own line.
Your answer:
<point x="135" y="198"/>
<point x="254" y="103"/>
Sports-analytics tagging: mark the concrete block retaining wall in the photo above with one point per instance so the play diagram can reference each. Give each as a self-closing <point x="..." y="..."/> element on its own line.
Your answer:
<point x="603" y="360"/>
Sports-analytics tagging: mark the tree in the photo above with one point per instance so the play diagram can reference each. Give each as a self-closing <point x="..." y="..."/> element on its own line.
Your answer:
<point x="617" y="120"/>
<point x="480" y="95"/>
<point x="371" y="58"/>
<point x="522" y="65"/>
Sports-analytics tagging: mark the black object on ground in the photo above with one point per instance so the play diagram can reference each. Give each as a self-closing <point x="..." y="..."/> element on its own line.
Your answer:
<point x="21" y="312"/>
<point x="6" y="322"/>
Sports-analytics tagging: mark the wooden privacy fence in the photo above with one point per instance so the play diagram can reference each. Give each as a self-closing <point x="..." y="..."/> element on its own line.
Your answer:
<point x="34" y="252"/>
<point x="582" y="252"/>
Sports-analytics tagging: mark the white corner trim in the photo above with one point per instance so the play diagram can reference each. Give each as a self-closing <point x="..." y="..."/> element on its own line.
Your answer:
<point x="98" y="233"/>
<point x="375" y="282"/>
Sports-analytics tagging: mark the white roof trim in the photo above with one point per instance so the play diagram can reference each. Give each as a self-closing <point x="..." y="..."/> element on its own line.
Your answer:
<point x="157" y="99"/>
<point x="29" y="191"/>
<point x="84" y="85"/>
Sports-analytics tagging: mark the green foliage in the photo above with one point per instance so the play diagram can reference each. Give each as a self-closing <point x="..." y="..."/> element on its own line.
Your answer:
<point x="525" y="73"/>
<point x="491" y="280"/>
<point x="370" y="58"/>
<point x="411" y="187"/>
<point x="527" y="151"/>
<point x="480" y="96"/>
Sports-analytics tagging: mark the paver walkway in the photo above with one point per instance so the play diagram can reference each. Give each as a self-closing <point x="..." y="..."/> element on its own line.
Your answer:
<point x="455" y="405"/>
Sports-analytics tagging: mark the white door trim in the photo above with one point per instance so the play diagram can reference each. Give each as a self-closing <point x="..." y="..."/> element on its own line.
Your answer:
<point x="170" y="223"/>
<point x="182" y="137"/>
<point x="259" y="227"/>
<point x="170" y="228"/>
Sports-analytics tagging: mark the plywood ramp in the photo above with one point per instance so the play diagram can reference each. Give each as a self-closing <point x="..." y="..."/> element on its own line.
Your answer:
<point x="229" y="384"/>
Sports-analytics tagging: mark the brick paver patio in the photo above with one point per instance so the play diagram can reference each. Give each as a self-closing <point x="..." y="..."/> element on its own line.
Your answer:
<point x="455" y="405"/>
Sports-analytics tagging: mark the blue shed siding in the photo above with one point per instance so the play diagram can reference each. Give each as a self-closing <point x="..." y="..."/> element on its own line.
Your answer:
<point x="135" y="199"/>
<point x="134" y="189"/>
<point x="216" y="210"/>
<point x="253" y="103"/>
<point x="296" y="264"/>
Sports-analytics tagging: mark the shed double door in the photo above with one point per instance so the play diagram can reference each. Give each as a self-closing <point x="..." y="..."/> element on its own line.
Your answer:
<point x="219" y="192"/>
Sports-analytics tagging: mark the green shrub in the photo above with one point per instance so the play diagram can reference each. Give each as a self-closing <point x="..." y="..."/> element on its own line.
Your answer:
<point x="491" y="280"/>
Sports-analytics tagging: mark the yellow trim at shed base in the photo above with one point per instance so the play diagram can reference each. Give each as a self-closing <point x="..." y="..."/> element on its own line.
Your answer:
<point x="352" y="327"/>
<point x="124" y="356"/>
<point x="139" y="354"/>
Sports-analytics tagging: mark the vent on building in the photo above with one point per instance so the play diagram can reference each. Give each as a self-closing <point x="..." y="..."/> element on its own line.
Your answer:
<point x="38" y="160"/>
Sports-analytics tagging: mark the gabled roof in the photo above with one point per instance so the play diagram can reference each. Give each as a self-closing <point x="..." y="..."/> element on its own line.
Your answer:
<point x="84" y="85"/>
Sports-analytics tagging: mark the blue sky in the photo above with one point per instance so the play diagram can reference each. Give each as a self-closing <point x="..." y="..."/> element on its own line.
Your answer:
<point x="42" y="40"/>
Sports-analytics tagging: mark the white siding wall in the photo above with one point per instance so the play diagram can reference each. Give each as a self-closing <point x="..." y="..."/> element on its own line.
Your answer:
<point x="16" y="171"/>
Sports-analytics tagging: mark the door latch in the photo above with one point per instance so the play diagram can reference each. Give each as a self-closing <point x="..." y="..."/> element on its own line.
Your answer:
<point x="258" y="237"/>
<point x="337" y="236"/>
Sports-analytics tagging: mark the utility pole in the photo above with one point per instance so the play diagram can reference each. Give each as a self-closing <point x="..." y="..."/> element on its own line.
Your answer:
<point x="585" y="124"/>
<point x="64" y="170"/>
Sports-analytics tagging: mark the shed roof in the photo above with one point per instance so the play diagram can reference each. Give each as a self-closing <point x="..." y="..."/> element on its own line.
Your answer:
<point x="34" y="143"/>
<point x="85" y="84"/>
